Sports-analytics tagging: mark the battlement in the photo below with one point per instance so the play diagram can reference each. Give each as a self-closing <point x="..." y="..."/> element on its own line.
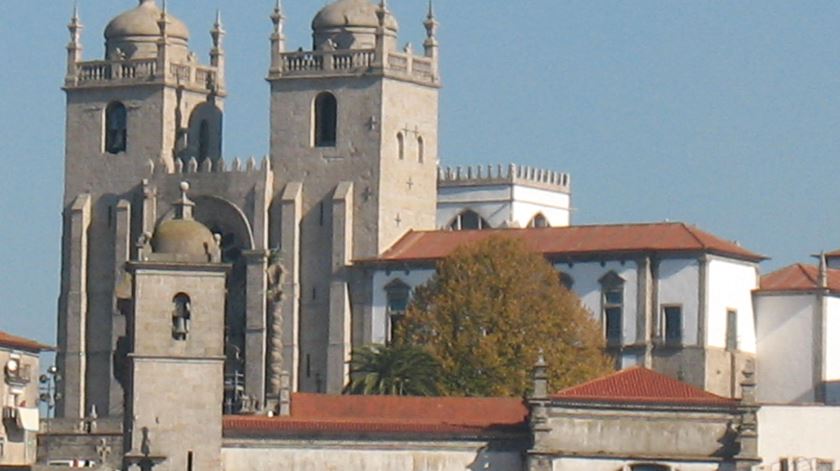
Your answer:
<point x="140" y="71"/>
<point x="237" y="165"/>
<point x="512" y="174"/>
<point x="404" y="65"/>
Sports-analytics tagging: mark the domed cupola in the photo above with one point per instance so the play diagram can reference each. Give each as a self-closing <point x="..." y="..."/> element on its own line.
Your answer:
<point x="134" y="34"/>
<point x="349" y="24"/>
<point x="183" y="239"/>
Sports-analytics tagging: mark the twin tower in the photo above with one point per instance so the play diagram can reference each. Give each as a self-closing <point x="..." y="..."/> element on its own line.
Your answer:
<point x="352" y="167"/>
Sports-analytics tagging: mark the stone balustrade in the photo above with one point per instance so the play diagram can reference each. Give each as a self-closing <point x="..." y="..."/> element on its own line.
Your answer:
<point x="142" y="70"/>
<point x="347" y="62"/>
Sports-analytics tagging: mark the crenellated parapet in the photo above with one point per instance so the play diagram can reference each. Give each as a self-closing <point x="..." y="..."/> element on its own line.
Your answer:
<point x="248" y="165"/>
<point x="482" y="175"/>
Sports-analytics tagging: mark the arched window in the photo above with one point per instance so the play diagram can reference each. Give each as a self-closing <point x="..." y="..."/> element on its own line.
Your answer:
<point x="401" y="145"/>
<point x="421" y="149"/>
<point x="468" y="220"/>
<point x="181" y="316"/>
<point x="326" y="120"/>
<point x="116" y="126"/>
<point x="203" y="141"/>
<point x="612" y="307"/>
<point x="539" y="221"/>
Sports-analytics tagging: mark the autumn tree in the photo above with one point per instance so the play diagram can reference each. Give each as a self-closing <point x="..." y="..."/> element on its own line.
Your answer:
<point x="489" y="311"/>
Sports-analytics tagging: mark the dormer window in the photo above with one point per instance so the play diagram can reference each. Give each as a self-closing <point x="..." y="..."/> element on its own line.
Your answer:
<point x="181" y="317"/>
<point x="468" y="220"/>
<point x="116" y="128"/>
<point x="326" y="120"/>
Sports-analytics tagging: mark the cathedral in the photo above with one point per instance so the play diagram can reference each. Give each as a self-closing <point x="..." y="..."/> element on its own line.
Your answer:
<point x="244" y="285"/>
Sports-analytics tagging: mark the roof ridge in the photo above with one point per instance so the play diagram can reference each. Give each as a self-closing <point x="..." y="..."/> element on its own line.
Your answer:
<point x="691" y="232"/>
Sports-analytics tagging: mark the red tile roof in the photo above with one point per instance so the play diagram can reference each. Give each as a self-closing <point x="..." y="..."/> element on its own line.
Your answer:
<point x="641" y="385"/>
<point x="12" y="341"/>
<point x="393" y="416"/>
<point x="573" y="240"/>
<point x="798" y="277"/>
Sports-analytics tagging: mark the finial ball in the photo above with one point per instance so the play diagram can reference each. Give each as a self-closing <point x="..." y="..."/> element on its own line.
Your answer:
<point x="185" y="187"/>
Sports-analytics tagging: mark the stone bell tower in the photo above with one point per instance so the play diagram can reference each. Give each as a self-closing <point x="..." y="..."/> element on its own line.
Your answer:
<point x="145" y="106"/>
<point x="173" y="417"/>
<point x="352" y="120"/>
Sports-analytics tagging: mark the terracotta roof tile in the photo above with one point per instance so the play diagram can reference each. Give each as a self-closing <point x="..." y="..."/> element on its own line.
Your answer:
<point x="798" y="277"/>
<point x="573" y="240"/>
<point x="327" y="414"/>
<point x="13" y="341"/>
<point x="641" y="385"/>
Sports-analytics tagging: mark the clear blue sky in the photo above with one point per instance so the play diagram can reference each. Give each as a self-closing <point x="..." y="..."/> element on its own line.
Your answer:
<point x="722" y="114"/>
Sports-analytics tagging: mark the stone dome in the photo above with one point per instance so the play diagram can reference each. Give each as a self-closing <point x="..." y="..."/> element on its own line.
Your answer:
<point x="348" y="14"/>
<point x="186" y="237"/>
<point x="142" y="22"/>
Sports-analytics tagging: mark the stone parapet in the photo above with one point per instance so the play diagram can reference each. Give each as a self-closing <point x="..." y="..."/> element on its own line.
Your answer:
<point x="142" y="71"/>
<point x="343" y="63"/>
<point x="484" y="175"/>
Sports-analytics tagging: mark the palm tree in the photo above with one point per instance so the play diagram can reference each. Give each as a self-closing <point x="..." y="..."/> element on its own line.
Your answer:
<point x="393" y="370"/>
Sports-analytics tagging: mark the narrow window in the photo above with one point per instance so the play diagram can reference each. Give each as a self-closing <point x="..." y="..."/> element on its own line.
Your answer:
<point x="181" y="317"/>
<point x="189" y="461"/>
<point x="539" y="221"/>
<point x="612" y="300"/>
<point x="308" y="365"/>
<point x="397" y="294"/>
<point x="203" y="140"/>
<point x="731" y="330"/>
<point x="401" y="146"/>
<point x="421" y="150"/>
<point x="326" y="120"/>
<point x="468" y="220"/>
<point x="116" y="125"/>
<point x="672" y="325"/>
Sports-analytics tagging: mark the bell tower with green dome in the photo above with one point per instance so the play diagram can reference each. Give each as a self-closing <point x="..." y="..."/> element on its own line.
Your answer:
<point x="352" y="120"/>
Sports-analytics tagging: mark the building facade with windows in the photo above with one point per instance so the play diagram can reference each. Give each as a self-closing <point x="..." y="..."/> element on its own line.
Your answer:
<point x="20" y="391"/>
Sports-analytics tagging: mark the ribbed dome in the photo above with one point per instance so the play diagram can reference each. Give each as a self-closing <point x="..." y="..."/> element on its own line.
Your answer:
<point x="350" y="13"/>
<point x="143" y="22"/>
<point x="183" y="237"/>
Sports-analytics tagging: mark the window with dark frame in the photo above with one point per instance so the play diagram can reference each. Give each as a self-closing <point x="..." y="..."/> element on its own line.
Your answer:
<point x="468" y="220"/>
<point x="181" y="317"/>
<point x="397" y="295"/>
<point x="326" y="120"/>
<point x="612" y="301"/>
<point x="672" y="325"/>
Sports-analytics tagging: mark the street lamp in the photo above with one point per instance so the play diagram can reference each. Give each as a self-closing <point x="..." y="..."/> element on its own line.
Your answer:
<point x="49" y="389"/>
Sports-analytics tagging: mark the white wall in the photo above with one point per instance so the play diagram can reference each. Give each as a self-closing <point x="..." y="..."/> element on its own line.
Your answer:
<point x="798" y="431"/>
<point x="730" y="286"/>
<point x="586" y="278"/>
<point x="501" y="204"/>
<point x="785" y="331"/>
<point x="372" y="455"/>
<point x="832" y="354"/>
<point x="679" y="284"/>
<point x="381" y="278"/>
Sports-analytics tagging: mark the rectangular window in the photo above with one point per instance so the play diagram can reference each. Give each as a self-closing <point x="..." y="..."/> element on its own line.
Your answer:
<point x="2" y="446"/>
<point x="731" y="330"/>
<point x="672" y="328"/>
<point x="613" y="310"/>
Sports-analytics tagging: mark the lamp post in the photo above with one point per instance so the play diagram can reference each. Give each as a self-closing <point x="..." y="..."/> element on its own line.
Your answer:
<point x="49" y="390"/>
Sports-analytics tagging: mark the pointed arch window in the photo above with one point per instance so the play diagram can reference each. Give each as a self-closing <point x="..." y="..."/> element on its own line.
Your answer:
<point x="326" y="120"/>
<point x="401" y="145"/>
<point x="116" y="128"/>
<point x="468" y="220"/>
<point x="612" y="307"/>
<point x="181" y="316"/>
<point x="397" y="294"/>
<point x="421" y="149"/>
